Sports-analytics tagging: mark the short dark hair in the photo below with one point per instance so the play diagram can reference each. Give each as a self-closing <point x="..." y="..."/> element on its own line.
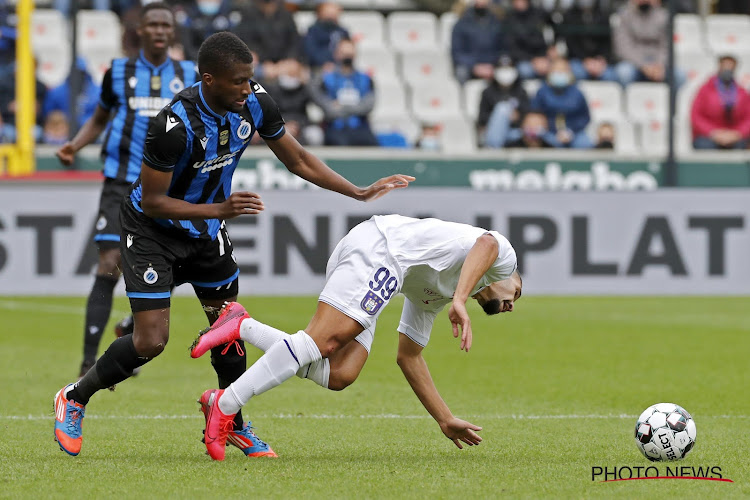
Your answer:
<point x="491" y="307"/>
<point x="155" y="6"/>
<point x="220" y="51"/>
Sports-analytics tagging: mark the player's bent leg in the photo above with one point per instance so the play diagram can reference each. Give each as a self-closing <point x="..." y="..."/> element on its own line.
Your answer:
<point x="331" y="329"/>
<point x="346" y="365"/>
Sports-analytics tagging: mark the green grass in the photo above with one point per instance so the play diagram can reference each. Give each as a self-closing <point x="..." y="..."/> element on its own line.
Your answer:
<point x="595" y="363"/>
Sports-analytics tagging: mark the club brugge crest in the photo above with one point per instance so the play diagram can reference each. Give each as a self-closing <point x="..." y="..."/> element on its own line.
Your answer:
<point x="371" y="303"/>
<point x="150" y="276"/>
<point x="244" y="130"/>
<point x="101" y="223"/>
<point x="176" y="85"/>
<point x="223" y="137"/>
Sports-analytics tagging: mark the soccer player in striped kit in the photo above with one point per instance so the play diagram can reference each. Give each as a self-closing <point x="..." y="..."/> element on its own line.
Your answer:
<point x="134" y="90"/>
<point x="173" y="222"/>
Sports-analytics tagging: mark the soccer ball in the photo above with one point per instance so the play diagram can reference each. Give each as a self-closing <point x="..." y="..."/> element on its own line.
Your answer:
<point x="665" y="432"/>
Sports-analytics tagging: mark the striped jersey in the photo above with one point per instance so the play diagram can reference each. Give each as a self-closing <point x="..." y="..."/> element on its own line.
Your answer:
<point x="202" y="148"/>
<point x="136" y="90"/>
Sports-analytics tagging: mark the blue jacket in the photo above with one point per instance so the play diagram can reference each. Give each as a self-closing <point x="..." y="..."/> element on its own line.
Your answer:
<point x="321" y="40"/>
<point x="477" y="39"/>
<point x="337" y="84"/>
<point x="568" y="104"/>
<point x="58" y="98"/>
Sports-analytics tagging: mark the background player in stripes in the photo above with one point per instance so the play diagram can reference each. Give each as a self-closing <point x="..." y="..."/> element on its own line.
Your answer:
<point x="173" y="221"/>
<point x="134" y="90"/>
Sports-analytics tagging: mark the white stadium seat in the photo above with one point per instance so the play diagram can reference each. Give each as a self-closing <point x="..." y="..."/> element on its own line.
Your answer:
<point x="390" y="98"/>
<point x="48" y="27"/>
<point x="98" y="30"/>
<point x="378" y="62"/>
<point x="53" y="63"/>
<point x="604" y="100"/>
<point x="685" y="97"/>
<point x="436" y="101"/>
<point x="728" y="33"/>
<point x="457" y="136"/>
<point x="425" y="66"/>
<point x="303" y="20"/>
<point x="447" y="21"/>
<point x="743" y="68"/>
<point x="697" y="65"/>
<point x="412" y="31"/>
<point x="689" y="33"/>
<point x="99" y="61"/>
<point x="646" y="102"/>
<point x="367" y="29"/>
<point x="396" y="122"/>
<point x="472" y="97"/>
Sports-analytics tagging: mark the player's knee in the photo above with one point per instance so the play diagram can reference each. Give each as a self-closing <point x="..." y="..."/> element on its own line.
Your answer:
<point x="150" y="341"/>
<point x="329" y="347"/>
<point x="339" y="381"/>
<point x="109" y="263"/>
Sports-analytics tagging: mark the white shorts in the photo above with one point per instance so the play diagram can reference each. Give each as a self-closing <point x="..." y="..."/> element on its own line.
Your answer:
<point x="361" y="278"/>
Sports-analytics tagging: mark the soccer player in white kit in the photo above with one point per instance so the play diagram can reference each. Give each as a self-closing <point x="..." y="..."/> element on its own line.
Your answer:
<point x="432" y="262"/>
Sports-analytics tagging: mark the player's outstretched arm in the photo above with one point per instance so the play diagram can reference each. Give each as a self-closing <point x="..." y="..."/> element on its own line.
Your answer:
<point x="88" y="133"/>
<point x="415" y="370"/>
<point x="478" y="261"/>
<point x="304" y="164"/>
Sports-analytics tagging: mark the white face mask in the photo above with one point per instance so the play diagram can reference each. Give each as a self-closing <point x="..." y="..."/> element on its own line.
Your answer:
<point x="506" y="76"/>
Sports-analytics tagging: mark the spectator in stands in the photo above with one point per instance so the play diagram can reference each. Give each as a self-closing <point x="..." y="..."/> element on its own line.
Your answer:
<point x="720" y="115"/>
<point x="524" y="27"/>
<point x="292" y="94"/>
<point x="347" y="97"/>
<point x="8" y="106"/>
<point x="587" y="35"/>
<point x="640" y="43"/>
<point x="56" y="129"/>
<point x="269" y="30"/>
<point x="565" y="107"/>
<point x="430" y="138"/>
<point x="477" y="42"/>
<point x="502" y="107"/>
<point x="199" y="19"/>
<point x="534" y="132"/>
<point x="733" y="7"/>
<point x="323" y="36"/>
<point x="605" y="136"/>
<point x="58" y="98"/>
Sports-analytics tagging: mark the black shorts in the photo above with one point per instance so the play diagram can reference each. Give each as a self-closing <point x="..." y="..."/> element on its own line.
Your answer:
<point x="108" y="221"/>
<point x="154" y="258"/>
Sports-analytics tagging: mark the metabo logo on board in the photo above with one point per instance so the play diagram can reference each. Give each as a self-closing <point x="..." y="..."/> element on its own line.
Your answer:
<point x="598" y="178"/>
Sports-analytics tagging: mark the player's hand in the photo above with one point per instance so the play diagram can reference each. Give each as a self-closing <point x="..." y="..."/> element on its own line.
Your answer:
<point x="458" y="430"/>
<point x="240" y="203"/>
<point x="384" y="186"/>
<point x="461" y="323"/>
<point x="66" y="154"/>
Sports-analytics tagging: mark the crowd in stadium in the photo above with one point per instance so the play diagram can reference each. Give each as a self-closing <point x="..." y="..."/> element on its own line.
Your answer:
<point x="526" y="63"/>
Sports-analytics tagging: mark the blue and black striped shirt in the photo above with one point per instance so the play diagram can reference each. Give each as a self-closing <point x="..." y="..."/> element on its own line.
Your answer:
<point x="137" y="90"/>
<point x="202" y="148"/>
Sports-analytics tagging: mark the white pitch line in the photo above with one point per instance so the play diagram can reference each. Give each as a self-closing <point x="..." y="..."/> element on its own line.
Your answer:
<point x="384" y="416"/>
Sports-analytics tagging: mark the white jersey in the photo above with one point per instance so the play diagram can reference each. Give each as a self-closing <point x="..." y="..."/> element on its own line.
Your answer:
<point x="422" y="258"/>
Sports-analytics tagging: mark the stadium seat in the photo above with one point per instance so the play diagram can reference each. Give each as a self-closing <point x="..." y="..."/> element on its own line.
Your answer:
<point x="698" y="65"/>
<point x="378" y="62"/>
<point x="683" y="137"/>
<point x="48" y="27"/>
<point x="98" y="30"/>
<point x="303" y="20"/>
<point x="53" y="63"/>
<point x="425" y="66"/>
<point x="743" y="69"/>
<point x="98" y="61"/>
<point x="397" y="122"/>
<point x="646" y="102"/>
<point x="728" y="33"/>
<point x="366" y="28"/>
<point x="447" y="21"/>
<point x="604" y="100"/>
<point x="472" y="96"/>
<point x="390" y="98"/>
<point x="412" y="31"/>
<point x="689" y="33"/>
<point x="436" y="101"/>
<point x="685" y="97"/>
<point x="457" y="136"/>
<point x="653" y="136"/>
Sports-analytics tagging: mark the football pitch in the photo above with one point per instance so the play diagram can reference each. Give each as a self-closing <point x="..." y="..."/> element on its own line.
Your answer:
<point x="557" y="386"/>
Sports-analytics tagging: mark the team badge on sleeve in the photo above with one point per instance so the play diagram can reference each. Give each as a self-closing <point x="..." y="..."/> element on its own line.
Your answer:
<point x="371" y="303"/>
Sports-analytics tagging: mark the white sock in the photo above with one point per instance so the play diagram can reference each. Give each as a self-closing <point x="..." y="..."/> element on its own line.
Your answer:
<point x="260" y="335"/>
<point x="264" y="336"/>
<point x="279" y="363"/>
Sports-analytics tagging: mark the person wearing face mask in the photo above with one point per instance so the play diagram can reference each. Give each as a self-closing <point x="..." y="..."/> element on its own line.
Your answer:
<point x="503" y="104"/>
<point x="586" y="32"/>
<point x="720" y="115"/>
<point x="640" y="43"/>
<point x="199" y="19"/>
<point x="291" y="93"/>
<point x="565" y="107"/>
<point x="323" y="36"/>
<point x="525" y="24"/>
<point x="534" y="132"/>
<point x="477" y="41"/>
<point x="346" y="96"/>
